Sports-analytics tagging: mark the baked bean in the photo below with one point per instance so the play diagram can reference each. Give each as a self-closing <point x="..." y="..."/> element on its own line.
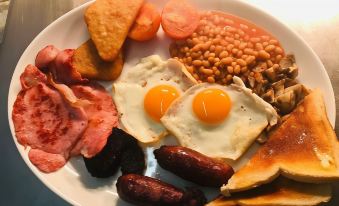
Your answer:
<point x="207" y="64"/>
<point x="243" y="45"/>
<point x="237" y="69"/>
<point x="241" y="62"/>
<point x="207" y="71"/>
<point x="206" y="54"/>
<point x="197" y="63"/>
<point x="230" y="69"/>
<point x="226" y="61"/>
<point x="223" y="54"/>
<point x="269" y="63"/>
<point x="211" y="59"/>
<point x="212" y="48"/>
<point x="218" y="49"/>
<point x="250" y="59"/>
<point x="263" y="54"/>
<point x="273" y="41"/>
<point x="248" y="51"/>
<point x="223" y="43"/>
<point x="189" y="69"/>
<point x="243" y="69"/>
<point x="234" y="51"/>
<point x="241" y="32"/>
<point x="189" y="60"/>
<point x="259" y="46"/>
<point x="210" y="79"/>
<point x="229" y="47"/>
<point x="278" y="50"/>
<point x="269" y="48"/>
<point x="278" y="58"/>
<point x="195" y="41"/>
<point x="275" y="66"/>
<point x="229" y="77"/>
<point x="239" y="54"/>
<point x="217" y="64"/>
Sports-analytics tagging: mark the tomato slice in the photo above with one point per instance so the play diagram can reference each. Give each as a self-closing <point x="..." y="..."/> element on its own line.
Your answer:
<point x="146" y="24"/>
<point x="179" y="19"/>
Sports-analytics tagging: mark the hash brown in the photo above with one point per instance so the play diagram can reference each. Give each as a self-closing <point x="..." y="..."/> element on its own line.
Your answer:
<point x="88" y="63"/>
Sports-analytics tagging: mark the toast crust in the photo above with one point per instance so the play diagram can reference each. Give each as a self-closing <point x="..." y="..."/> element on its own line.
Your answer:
<point x="280" y="192"/>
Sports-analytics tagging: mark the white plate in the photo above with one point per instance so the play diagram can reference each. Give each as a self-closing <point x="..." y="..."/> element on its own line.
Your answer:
<point x="73" y="183"/>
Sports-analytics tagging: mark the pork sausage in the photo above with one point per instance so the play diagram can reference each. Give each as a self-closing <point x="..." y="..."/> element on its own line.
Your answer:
<point x="193" y="166"/>
<point x="147" y="191"/>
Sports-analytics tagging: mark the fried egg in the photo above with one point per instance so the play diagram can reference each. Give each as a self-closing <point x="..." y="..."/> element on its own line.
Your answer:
<point x="219" y="121"/>
<point x="144" y="93"/>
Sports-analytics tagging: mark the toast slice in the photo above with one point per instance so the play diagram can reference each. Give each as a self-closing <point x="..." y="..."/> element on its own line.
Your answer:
<point x="303" y="148"/>
<point x="108" y="23"/>
<point x="280" y="192"/>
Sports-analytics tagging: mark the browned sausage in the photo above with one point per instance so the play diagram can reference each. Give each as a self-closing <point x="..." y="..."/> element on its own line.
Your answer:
<point x="193" y="166"/>
<point x="147" y="191"/>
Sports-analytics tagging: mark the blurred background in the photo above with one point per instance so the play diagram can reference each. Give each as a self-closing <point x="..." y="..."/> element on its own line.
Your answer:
<point x="316" y="21"/>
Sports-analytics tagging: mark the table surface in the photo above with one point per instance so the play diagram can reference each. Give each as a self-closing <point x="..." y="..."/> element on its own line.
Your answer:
<point x="316" y="21"/>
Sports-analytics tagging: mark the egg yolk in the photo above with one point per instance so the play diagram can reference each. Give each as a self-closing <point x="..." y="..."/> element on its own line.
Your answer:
<point x="158" y="99"/>
<point x="211" y="105"/>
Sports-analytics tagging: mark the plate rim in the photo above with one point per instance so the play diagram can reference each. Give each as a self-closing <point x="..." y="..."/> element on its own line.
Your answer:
<point x="59" y="192"/>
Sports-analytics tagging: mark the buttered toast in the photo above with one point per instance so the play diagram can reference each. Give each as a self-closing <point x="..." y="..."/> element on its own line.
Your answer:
<point x="303" y="148"/>
<point x="280" y="192"/>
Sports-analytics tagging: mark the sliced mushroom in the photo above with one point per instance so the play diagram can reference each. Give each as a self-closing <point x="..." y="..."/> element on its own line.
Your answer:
<point x="286" y="102"/>
<point x="271" y="74"/>
<point x="287" y="61"/>
<point x="269" y="96"/>
<point x="290" y="82"/>
<point x="299" y="90"/>
<point x="292" y="72"/>
<point x="279" y="87"/>
<point x="251" y="81"/>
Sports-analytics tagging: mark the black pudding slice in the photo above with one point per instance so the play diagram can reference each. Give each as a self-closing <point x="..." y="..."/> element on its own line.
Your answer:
<point x="120" y="149"/>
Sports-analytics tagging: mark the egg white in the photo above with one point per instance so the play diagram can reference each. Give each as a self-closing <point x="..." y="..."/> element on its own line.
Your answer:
<point x="130" y="90"/>
<point x="248" y="117"/>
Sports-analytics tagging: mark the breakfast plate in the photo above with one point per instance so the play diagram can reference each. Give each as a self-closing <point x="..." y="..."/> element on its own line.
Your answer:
<point x="72" y="182"/>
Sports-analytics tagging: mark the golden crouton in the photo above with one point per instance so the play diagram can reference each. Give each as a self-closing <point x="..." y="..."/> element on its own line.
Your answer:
<point x="87" y="61"/>
<point x="108" y="23"/>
